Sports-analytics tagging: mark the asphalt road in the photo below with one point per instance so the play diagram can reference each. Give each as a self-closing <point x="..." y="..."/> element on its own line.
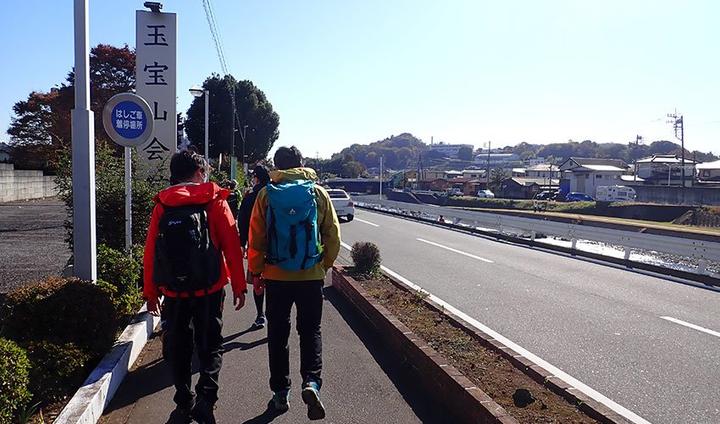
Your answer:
<point x="32" y="241"/>
<point x="600" y="324"/>
<point x="362" y="381"/>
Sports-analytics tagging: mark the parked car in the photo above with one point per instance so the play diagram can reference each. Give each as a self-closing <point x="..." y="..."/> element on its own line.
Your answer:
<point x="578" y="197"/>
<point x="486" y="194"/>
<point x="545" y="195"/>
<point x="344" y="206"/>
<point x="454" y="192"/>
<point x="615" y="194"/>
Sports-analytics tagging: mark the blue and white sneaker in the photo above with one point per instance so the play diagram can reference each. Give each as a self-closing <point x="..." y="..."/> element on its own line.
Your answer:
<point x="311" y="397"/>
<point x="281" y="400"/>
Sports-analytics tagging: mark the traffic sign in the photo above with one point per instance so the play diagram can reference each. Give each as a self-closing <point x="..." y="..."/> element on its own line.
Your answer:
<point x="128" y="119"/>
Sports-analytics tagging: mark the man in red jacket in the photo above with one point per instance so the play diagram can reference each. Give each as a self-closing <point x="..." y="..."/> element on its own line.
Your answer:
<point x="191" y="252"/>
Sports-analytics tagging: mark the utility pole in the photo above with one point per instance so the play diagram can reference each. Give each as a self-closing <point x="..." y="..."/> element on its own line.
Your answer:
<point x="638" y="140"/>
<point x="381" y="176"/>
<point x="679" y="128"/>
<point x="488" y="167"/>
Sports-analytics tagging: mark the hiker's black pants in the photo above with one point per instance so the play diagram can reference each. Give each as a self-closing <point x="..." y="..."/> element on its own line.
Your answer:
<point x="194" y="322"/>
<point x="308" y="299"/>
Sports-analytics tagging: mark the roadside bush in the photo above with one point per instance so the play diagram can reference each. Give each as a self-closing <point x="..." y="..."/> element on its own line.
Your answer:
<point x="57" y="369"/>
<point x="118" y="268"/>
<point x="60" y="310"/>
<point x="14" y="379"/>
<point x="366" y="256"/>
<point x="110" y="197"/>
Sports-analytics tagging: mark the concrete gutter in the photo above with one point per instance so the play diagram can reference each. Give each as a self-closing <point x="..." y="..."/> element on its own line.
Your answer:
<point x="88" y="403"/>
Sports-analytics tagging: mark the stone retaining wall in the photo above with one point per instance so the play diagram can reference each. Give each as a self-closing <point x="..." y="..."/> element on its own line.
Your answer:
<point x="16" y="184"/>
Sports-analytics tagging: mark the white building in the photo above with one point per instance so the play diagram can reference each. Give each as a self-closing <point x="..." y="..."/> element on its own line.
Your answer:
<point x="708" y="171"/>
<point x="665" y="170"/>
<point x="584" y="175"/>
<point x="449" y="150"/>
<point x="544" y="170"/>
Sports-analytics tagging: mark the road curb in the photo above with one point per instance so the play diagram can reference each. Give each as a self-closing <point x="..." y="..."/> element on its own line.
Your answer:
<point x="631" y="265"/>
<point x="87" y="404"/>
<point x="447" y="384"/>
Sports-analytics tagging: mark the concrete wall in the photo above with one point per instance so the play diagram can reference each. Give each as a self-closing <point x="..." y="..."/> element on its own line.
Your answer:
<point x="22" y="185"/>
<point x="674" y="195"/>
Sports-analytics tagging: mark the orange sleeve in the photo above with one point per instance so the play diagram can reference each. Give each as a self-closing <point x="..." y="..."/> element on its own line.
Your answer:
<point x="257" y="241"/>
<point x="150" y="290"/>
<point x="229" y="244"/>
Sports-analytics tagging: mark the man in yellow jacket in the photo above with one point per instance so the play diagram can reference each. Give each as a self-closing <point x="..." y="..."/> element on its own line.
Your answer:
<point x="293" y="241"/>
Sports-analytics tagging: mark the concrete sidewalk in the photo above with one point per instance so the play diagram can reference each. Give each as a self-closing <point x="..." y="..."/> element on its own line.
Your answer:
<point x="363" y="383"/>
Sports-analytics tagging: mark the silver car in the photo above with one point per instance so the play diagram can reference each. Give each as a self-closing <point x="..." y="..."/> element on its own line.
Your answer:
<point x="344" y="206"/>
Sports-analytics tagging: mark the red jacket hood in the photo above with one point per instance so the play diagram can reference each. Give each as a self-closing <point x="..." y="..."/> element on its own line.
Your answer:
<point x="190" y="194"/>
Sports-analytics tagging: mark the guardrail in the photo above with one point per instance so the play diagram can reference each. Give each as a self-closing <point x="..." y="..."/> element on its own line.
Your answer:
<point x="702" y="251"/>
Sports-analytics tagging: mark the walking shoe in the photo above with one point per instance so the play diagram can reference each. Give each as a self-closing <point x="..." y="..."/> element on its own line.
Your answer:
<point x="260" y="322"/>
<point x="311" y="397"/>
<point x="180" y="415"/>
<point x="281" y="400"/>
<point x="203" y="412"/>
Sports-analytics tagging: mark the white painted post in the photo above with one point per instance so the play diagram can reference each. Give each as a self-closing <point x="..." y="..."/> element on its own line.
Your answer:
<point x="627" y="253"/>
<point x="83" y="154"/>
<point x="128" y="199"/>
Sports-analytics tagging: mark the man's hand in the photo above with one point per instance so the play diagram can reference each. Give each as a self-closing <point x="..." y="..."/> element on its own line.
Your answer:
<point x="153" y="306"/>
<point x="238" y="300"/>
<point x="258" y="284"/>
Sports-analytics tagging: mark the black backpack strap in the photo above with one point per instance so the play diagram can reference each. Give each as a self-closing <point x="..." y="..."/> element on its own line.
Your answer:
<point x="271" y="234"/>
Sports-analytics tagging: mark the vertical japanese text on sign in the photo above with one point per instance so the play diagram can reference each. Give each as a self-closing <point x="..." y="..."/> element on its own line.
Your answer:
<point x="155" y="72"/>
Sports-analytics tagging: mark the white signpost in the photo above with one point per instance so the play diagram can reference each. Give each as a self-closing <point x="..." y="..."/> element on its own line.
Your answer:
<point x="128" y="120"/>
<point x="155" y="73"/>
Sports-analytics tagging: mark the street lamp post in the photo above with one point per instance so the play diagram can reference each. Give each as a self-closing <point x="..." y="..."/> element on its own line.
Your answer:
<point x="199" y="92"/>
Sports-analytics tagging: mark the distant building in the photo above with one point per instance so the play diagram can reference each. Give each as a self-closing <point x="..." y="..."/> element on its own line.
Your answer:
<point x="544" y="170"/>
<point x="518" y="172"/>
<point x="498" y="160"/>
<point x="359" y="185"/>
<point x="708" y="171"/>
<point x="525" y="188"/>
<point x="584" y="175"/>
<point x="449" y="150"/>
<point x="5" y="153"/>
<point x="665" y="170"/>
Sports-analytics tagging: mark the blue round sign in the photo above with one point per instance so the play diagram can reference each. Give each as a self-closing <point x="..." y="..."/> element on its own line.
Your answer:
<point x="129" y="119"/>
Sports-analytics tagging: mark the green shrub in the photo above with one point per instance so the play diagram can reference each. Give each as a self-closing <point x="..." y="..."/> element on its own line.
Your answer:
<point x="62" y="311"/>
<point x="14" y="378"/>
<point x="110" y="197"/>
<point x="366" y="257"/>
<point x="57" y="369"/>
<point x="118" y="268"/>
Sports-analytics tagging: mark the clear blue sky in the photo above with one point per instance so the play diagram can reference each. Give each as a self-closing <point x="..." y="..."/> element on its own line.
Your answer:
<point x="343" y="72"/>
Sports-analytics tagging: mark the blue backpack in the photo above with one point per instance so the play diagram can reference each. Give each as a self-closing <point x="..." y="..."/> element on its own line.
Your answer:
<point x="292" y="225"/>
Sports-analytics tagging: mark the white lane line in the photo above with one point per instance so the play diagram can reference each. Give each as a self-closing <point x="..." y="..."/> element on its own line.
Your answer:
<point x="557" y="372"/>
<point x="693" y="326"/>
<point x="469" y="255"/>
<point x="367" y="222"/>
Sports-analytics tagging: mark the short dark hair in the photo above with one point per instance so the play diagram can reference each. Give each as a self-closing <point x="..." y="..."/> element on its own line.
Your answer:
<point x="288" y="157"/>
<point x="183" y="166"/>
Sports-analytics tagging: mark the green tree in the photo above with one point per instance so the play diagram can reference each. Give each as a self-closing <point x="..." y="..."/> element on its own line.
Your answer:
<point x="497" y="176"/>
<point x="256" y="119"/>
<point x="352" y="169"/>
<point x="43" y="119"/>
<point x="465" y="153"/>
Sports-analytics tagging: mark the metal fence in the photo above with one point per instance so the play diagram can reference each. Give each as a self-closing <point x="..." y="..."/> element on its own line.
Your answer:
<point x="702" y="251"/>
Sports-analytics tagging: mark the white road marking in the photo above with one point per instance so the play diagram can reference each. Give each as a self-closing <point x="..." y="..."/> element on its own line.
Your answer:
<point x="557" y="372"/>
<point x="693" y="326"/>
<point x="469" y="255"/>
<point x="367" y="222"/>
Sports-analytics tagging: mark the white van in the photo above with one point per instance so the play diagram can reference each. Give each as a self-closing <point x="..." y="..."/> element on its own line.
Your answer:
<point x="615" y="194"/>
